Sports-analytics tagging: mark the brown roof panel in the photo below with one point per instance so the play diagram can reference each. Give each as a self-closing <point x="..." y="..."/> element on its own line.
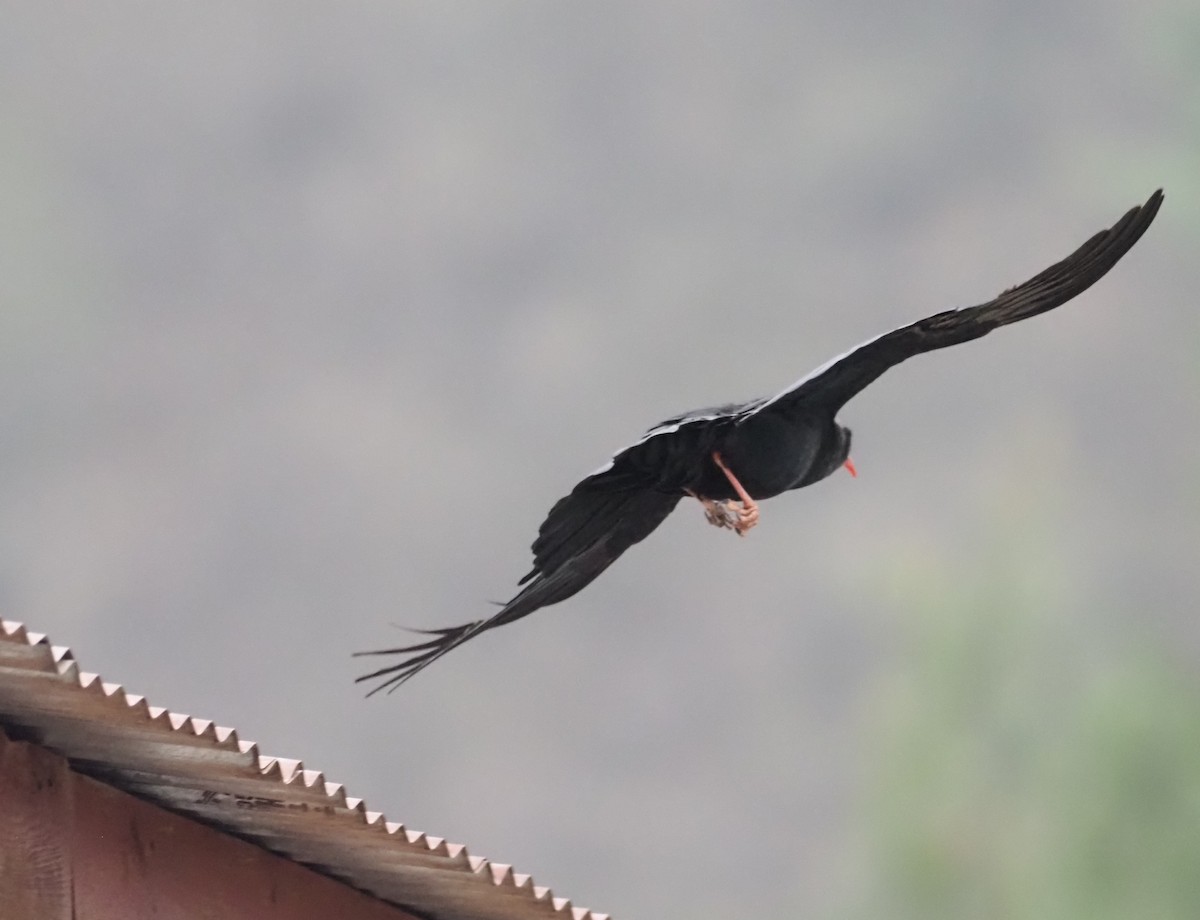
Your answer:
<point x="206" y="771"/>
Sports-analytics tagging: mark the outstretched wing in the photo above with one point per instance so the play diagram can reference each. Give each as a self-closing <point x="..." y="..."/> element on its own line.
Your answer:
<point x="583" y="535"/>
<point x="836" y="381"/>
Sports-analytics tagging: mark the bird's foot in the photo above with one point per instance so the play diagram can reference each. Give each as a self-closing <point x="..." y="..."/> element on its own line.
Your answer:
<point x="734" y="515"/>
<point x="747" y="508"/>
<point x="747" y="517"/>
<point x="719" y="514"/>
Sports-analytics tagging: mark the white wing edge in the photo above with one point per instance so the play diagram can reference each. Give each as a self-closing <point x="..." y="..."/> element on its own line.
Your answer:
<point x="813" y="374"/>
<point x="665" y="428"/>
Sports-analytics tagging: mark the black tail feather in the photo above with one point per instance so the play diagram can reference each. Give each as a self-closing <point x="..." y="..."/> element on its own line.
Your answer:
<point x="595" y="550"/>
<point x="421" y="654"/>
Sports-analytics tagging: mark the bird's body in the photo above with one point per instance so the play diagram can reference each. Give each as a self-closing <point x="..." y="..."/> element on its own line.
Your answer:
<point x="730" y="457"/>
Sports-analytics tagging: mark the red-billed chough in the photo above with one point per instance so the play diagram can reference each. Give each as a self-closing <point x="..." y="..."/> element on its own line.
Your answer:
<point x="730" y="457"/>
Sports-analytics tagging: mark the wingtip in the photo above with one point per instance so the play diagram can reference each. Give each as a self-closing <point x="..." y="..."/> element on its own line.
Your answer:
<point x="1144" y="214"/>
<point x="1155" y="200"/>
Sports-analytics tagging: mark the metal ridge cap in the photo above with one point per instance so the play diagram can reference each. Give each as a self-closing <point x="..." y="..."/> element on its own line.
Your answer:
<point x="205" y="771"/>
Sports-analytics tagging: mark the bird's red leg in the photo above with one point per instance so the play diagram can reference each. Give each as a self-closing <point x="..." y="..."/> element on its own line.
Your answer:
<point x="748" y="513"/>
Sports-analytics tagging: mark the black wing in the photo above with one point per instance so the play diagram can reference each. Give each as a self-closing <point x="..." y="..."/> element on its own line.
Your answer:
<point x="837" y="381"/>
<point x="583" y="535"/>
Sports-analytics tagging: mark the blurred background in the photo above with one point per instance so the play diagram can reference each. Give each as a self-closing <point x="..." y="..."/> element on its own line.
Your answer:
<point x="311" y="311"/>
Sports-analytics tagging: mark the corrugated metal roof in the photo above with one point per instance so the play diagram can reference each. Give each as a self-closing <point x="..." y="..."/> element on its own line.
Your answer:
<point x="205" y="771"/>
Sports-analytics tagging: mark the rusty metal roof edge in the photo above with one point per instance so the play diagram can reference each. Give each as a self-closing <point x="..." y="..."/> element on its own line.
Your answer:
<point x="194" y="766"/>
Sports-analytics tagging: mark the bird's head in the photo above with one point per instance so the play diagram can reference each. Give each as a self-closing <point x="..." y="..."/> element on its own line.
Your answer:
<point x="834" y="452"/>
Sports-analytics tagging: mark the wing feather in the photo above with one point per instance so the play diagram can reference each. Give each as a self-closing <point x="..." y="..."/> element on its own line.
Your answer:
<point x="836" y="381"/>
<point x="582" y="536"/>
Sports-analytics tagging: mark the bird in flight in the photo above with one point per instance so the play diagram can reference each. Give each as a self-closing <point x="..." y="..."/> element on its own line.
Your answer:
<point x="731" y="457"/>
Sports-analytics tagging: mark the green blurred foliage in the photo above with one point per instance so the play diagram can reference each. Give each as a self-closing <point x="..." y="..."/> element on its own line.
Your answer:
<point x="1018" y="771"/>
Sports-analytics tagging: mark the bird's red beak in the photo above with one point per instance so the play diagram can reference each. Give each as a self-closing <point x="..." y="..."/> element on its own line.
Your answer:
<point x="849" y="465"/>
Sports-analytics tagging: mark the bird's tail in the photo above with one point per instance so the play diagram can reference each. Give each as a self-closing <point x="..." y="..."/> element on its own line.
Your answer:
<point x="553" y="580"/>
<point x="422" y="654"/>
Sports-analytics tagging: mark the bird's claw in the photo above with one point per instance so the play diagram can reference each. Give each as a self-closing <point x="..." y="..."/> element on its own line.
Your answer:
<point x="719" y="514"/>
<point x="730" y="514"/>
<point x="747" y="517"/>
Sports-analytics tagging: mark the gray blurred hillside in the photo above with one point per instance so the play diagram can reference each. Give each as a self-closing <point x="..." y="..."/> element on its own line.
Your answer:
<point x="311" y="311"/>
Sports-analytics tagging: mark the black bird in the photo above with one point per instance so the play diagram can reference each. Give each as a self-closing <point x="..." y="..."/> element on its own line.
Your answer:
<point x="730" y="457"/>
